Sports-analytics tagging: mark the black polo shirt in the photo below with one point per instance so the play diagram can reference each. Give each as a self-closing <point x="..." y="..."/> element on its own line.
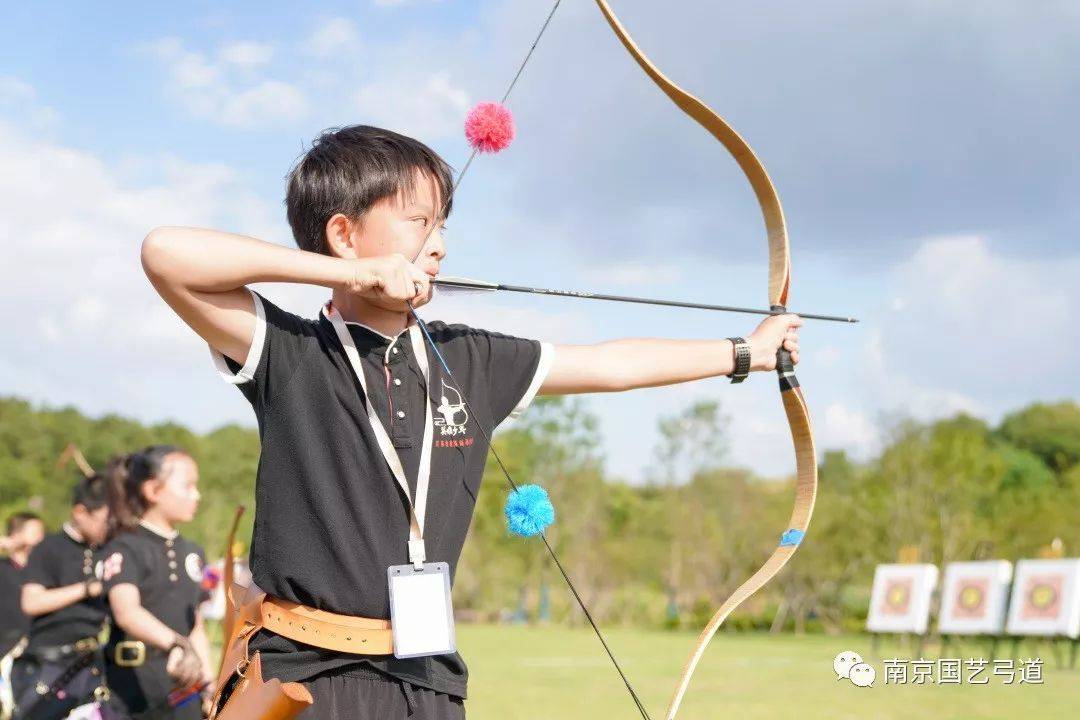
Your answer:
<point x="329" y="516"/>
<point x="165" y="566"/>
<point x="13" y="623"/>
<point x="58" y="561"/>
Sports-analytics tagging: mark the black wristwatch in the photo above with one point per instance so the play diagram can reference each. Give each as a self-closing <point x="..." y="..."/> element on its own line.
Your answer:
<point x="742" y="359"/>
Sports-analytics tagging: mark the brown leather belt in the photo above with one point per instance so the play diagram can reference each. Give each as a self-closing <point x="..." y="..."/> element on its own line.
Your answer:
<point x="343" y="633"/>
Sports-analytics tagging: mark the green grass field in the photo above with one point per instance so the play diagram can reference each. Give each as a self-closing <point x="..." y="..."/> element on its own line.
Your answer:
<point x="534" y="673"/>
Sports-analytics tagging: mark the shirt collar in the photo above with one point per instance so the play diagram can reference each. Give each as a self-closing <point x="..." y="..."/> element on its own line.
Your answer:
<point x="373" y="331"/>
<point x="370" y="341"/>
<point x="74" y="534"/>
<point x="158" y="530"/>
<point x="365" y="331"/>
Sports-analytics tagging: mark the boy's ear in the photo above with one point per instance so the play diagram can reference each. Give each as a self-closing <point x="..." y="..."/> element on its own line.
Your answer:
<point x="340" y="237"/>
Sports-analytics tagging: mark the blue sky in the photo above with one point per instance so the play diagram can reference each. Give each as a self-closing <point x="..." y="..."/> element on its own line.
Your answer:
<point x="925" y="152"/>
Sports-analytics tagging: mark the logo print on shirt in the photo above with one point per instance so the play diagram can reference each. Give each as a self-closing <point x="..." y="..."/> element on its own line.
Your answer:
<point x="453" y="416"/>
<point x="193" y="565"/>
<point x="112" y="566"/>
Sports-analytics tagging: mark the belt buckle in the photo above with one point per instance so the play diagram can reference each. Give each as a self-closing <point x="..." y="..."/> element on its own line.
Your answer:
<point x="86" y="645"/>
<point x="137" y="650"/>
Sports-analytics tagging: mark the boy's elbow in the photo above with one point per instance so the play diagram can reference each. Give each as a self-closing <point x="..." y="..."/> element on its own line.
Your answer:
<point x="157" y="246"/>
<point x="152" y="247"/>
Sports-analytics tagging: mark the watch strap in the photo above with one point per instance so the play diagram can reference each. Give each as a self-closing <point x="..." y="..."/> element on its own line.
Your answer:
<point x="741" y="350"/>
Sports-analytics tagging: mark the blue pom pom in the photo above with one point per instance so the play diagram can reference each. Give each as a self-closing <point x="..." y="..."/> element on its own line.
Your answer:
<point x="529" y="511"/>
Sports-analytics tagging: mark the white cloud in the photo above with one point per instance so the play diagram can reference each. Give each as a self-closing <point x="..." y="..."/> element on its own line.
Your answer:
<point x="961" y="328"/>
<point x="247" y="55"/>
<point x="850" y="428"/>
<point x="228" y="91"/>
<point x="423" y="106"/>
<point x="332" y="37"/>
<point x="92" y="330"/>
<point x="270" y="98"/>
<point x="19" y="99"/>
<point x="971" y="318"/>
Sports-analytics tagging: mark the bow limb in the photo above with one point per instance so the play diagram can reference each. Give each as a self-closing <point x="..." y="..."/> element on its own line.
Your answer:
<point x="767" y="197"/>
<point x="805" y="492"/>
<point x="779" y="283"/>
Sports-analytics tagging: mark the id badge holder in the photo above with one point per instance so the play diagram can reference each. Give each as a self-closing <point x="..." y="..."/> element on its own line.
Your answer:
<point x="421" y="613"/>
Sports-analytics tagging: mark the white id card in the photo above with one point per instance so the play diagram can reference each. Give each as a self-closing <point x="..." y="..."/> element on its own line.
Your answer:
<point x="421" y="613"/>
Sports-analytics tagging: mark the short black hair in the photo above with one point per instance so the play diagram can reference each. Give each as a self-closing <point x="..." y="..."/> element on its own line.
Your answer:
<point x="91" y="492"/>
<point x="16" y="521"/>
<point x="350" y="169"/>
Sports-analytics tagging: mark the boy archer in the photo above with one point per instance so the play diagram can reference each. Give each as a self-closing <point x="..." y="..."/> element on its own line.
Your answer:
<point x="354" y="478"/>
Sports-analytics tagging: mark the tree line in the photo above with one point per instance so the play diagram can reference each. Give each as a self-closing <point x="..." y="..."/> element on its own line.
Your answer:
<point x="665" y="553"/>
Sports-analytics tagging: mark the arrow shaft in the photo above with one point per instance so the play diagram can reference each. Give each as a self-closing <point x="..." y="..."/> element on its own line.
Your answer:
<point x="627" y="299"/>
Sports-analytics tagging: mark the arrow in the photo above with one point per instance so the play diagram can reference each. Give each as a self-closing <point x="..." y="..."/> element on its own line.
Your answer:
<point x="459" y="283"/>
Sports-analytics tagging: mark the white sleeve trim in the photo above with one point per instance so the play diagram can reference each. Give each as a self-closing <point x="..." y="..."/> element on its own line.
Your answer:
<point x="547" y="355"/>
<point x="258" y="339"/>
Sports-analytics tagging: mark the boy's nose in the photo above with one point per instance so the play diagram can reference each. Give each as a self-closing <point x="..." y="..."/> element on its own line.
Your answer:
<point x="436" y="246"/>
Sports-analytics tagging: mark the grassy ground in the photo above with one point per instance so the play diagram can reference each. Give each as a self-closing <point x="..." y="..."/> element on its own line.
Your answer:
<point x="522" y="673"/>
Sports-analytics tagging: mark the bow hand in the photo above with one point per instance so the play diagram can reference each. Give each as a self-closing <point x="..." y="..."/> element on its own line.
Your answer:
<point x="772" y="340"/>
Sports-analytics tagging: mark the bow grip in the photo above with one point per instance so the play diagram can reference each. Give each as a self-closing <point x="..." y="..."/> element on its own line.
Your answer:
<point x="785" y="368"/>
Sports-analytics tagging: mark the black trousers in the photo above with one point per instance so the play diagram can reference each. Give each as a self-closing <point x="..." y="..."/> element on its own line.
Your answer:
<point x="362" y="696"/>
<point x="28" y="673"/>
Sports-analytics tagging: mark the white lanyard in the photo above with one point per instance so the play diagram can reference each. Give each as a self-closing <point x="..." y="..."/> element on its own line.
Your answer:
<point x="417" y="554"/>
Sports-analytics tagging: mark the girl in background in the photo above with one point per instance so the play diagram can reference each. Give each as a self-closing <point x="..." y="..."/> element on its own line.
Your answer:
<point x="153" y="579"/>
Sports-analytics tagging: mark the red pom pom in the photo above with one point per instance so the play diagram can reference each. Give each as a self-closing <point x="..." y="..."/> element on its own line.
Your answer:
<point x="489" y="127"/>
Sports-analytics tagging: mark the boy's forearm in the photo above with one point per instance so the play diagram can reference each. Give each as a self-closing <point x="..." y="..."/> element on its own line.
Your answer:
<point x="212" y="261"/>
<point x="648" y="362"/>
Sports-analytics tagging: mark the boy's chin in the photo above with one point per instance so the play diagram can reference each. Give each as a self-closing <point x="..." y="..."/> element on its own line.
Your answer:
<point x="402" y="306"/>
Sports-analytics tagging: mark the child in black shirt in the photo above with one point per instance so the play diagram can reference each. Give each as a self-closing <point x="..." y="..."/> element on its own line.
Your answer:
<point x="372" y="454"/>
<point x="62" y="665"/>
<point x="153" y="577"/>
<point x="24" y="531"/>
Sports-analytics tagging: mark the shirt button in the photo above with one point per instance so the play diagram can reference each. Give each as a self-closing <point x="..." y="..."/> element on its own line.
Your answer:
<point x="172" y="576"/>
<point x="397" y="381"/>
<point x="394" y="351"/>
<point x="171" y="553"/>
<point x="401" y="413"/>
<point x="172" y="564"/>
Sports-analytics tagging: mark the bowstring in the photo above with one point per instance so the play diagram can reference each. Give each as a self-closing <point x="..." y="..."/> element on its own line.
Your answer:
<point x="465" y="401"/>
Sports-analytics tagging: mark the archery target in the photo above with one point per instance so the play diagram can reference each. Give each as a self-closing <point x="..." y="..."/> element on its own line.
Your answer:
<point x="974" y="597"/>
<point x="900" y="598"/>
<point x="1046" y="598"/>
